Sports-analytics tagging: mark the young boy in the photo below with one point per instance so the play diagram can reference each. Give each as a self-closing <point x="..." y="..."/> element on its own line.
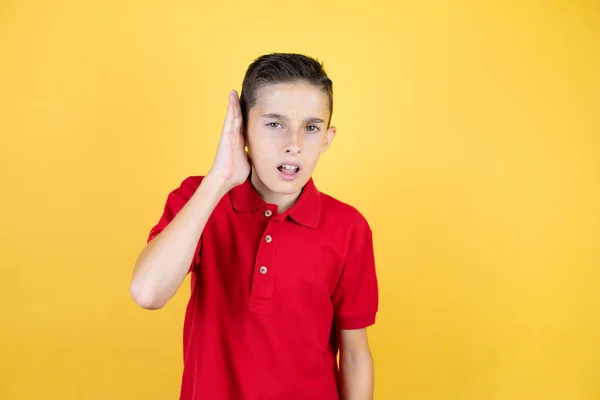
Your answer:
<point x="282" y="275"/>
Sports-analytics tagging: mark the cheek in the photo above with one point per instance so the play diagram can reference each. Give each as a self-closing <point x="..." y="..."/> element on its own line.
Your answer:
<point x="254" y="139"/>
<point x="260" y="146"/>
<point x="314" y="144"/>
<point x="264" y="141"/>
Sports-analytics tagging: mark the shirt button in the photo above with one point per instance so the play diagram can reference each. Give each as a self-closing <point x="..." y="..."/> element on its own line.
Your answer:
<point x="268" y="238"/>
<point x="263" y="270"/>
<point x="268" y="213"/>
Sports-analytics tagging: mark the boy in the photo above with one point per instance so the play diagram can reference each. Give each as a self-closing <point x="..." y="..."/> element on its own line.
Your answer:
<point x="282" y="275"/>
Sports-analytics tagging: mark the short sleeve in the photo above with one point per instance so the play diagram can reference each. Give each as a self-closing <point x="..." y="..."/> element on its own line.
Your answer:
<point x="176" y="200"/>
<point x="356" y="296"/>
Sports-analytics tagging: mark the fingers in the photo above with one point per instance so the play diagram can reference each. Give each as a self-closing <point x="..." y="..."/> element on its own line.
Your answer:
<point x="233" y="118"/>
<point x="237" y="112"/>
<point x="228" y="125"/>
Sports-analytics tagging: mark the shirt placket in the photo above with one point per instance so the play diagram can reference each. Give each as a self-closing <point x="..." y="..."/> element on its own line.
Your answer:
<point x="263" y="277"/>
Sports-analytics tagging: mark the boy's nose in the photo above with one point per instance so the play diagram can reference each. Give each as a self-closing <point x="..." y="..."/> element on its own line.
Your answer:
<point x="293" y="149"/>
<point x="294" y="146"/>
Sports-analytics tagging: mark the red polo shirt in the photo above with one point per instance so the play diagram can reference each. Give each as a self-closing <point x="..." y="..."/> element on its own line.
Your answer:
<point x="268" y="292"/>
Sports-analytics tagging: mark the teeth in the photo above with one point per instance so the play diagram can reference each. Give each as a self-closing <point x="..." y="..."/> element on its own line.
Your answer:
<point x="289" y="167"/>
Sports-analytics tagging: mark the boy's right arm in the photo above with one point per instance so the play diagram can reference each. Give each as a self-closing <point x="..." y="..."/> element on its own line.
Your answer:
<point x="164" y="262"/>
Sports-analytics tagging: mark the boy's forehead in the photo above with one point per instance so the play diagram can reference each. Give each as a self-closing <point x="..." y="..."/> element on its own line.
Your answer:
<point x="292" y="98"/>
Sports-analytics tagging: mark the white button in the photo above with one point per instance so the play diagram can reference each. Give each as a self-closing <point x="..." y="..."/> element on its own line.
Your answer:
<point x="263" y="270"/>
<point x="268" y="238"/>
<point x="268" y="213"/>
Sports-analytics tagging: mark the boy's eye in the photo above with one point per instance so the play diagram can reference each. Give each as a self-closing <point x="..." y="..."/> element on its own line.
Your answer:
<point x="312" y="128"/>
<point x="273" y="124"/>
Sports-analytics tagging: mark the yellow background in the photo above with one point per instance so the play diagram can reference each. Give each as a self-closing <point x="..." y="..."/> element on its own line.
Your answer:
<point x="468" y="134"/>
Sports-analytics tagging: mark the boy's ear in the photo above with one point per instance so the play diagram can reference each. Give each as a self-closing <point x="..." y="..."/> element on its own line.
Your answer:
<point x="329" y="136"/>
<point x="244" y="133"/>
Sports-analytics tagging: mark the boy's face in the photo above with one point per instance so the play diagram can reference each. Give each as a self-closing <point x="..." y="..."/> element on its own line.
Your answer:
<point x="286" y="134"/>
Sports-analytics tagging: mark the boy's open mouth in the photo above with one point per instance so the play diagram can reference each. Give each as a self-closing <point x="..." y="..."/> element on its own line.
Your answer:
<point x="288" y="169"/>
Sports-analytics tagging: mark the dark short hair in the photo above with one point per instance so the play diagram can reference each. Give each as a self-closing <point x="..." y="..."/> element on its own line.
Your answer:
<point x="276" y="68"/>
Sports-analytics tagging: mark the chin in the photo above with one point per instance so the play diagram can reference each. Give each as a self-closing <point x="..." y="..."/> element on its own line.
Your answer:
<point x="280" y="185"/>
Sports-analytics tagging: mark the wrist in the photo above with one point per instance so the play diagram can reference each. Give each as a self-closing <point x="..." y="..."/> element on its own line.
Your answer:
<point x="218" y="185"/>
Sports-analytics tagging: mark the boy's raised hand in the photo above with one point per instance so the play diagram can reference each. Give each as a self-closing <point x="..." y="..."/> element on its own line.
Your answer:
<point x="231" y="166"/>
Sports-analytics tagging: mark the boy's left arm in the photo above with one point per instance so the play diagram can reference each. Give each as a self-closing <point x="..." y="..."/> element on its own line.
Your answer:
<point x="356" y="365"/>
<point x="356" y="302"/>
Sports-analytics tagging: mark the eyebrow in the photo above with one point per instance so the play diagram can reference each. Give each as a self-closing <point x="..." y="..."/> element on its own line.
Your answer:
<point x="313" y="120"/>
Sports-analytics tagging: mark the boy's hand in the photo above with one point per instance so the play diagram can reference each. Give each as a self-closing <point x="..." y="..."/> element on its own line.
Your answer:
<point x="231" y="166"/>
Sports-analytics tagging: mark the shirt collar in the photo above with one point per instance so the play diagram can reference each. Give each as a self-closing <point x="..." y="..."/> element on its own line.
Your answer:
<point x="305" y="211"/>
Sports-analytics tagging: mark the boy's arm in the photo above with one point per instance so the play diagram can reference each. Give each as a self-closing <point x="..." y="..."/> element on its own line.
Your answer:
<point x="356" y="301"/>
<point x="165" y="261"/>
<point x="356" y="365"/>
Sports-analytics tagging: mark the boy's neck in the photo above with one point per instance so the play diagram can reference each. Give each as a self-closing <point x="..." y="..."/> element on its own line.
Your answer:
<point x="283" y="201"/>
